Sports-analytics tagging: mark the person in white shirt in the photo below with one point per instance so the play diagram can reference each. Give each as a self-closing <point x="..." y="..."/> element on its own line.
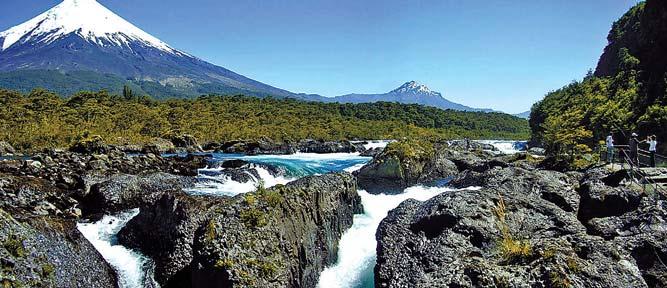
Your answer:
<point x="652" y="146"/>
<point x="610" y="148"/>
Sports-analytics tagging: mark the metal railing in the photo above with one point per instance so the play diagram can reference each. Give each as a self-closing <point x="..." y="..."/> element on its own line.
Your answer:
<point x="622" y="156"/>
<point x="622" y="152"/>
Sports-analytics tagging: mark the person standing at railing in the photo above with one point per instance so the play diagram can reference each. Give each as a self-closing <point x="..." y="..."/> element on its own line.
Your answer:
<point x="610" y="148"/>
<point x="634" y="149"/>
<point x="652" y="147"/>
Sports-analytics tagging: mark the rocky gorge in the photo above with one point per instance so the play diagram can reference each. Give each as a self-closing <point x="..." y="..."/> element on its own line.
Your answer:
<point x="520" y="226"/>
<point x="190" y="238"/>
<point x="525" y="227"/>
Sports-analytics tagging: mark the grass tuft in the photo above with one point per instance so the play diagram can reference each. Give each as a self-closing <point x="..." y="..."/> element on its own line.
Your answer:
<point x="509" y="248"/>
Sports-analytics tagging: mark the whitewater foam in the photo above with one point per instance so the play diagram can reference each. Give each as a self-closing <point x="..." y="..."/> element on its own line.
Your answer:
<point x="357" y="254"/>
<point x="224" y="186"/>
<point x="504" y="146"/>
<point x="130" y="265"/>
<point x="372" y="144"/>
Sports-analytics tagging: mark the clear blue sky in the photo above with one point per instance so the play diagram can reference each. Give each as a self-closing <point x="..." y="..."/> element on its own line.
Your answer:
<point x="495" y="54"/>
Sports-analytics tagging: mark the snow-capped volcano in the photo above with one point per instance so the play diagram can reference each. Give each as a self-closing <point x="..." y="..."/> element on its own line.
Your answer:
<point x="415" y="88"/>
<point x="85" y="18"/>
<point x="83" y="35"/>
<point x="408" y="93"/>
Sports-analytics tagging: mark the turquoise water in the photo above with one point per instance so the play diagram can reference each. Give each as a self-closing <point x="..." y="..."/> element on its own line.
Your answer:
<point x="303" y="164"/>
<point x="212" y="182"/>
<point x="357" y="246"/>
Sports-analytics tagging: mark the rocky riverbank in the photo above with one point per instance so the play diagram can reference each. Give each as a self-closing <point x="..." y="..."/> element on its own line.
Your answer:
<point x="524" y="227"/>
<point x="278" y="237"/>
<point x="44" y="196"/>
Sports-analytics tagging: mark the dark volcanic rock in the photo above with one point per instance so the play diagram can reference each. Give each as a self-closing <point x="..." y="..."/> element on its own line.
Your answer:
<point x="555" y="187"/>
<point x="391" y="172"/>
<point x="232" y="164"/>
<point x="371" y="152"/>
<point x="92" y="145"/>
<point x="41" y="198"/>
<point x="187" y="142"/>
<point x="262" y="146"/>
<point x="40" y="244"/>
<point x="602" y="195"/>
<point x="123" y="192"/>
<point x="456" y="240"/>
<point x="322" y="147"/>
<point x="471" y="145"/>
<point x="48" y="252"/>
<point x="279" y="237"/>
<point x="592" y="229"/>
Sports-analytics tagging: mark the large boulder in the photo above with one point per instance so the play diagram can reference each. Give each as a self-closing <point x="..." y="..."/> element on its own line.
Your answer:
<point x="262" y="146"/>
<point x="615" y="208"/>
<point x="162" y="146"/>
<point x="49" y="252"/>
<point x="322" y="147"/>
<point x="403" y="164"/>
<point x="278" y="237"/>
<point x="123" y="192"/>
<point x="552" y="186"/>
<point x="495" y="238"/>
<point x="90" y="145"/>
<point x="187" y="142"/>
<point x="40" y="245"/>
<point x="528" y="228"/>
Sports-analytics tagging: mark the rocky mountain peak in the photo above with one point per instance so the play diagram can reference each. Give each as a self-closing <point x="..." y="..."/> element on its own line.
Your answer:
<point x="413" y="87"/>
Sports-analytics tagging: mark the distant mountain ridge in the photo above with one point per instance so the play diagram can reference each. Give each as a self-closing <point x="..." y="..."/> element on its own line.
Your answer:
<point x="409" y="93"/>
<point x="83" y="35"/>
<point x="81" y="45"/>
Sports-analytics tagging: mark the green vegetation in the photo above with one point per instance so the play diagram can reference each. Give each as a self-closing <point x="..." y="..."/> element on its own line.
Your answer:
<point x="211" y="232"/>
<point x="273" y="197"/>
<point x="42" y="119"/>
<point x="253" y="217"/>
<point x="510" y="248"/>
<point x="48" y="271"/>
<point x="14" y="245"/>
<point x="410" y="149"/>
<point x="626" y="93"/>
<point x="70" y="83"/>
<point x="224" y="264"/>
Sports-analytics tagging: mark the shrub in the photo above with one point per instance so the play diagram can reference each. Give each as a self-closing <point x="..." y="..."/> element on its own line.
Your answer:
<point x="509" y="248"/>
<point x="14" y="245"/>
<point x="224" y="264"/>
<point x="211" y="233"/>
<point x="253" y="217"/>
<point x="410" y="149"/>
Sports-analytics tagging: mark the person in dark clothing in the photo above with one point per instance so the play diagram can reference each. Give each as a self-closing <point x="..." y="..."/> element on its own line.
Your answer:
<point x="634" y="149"/>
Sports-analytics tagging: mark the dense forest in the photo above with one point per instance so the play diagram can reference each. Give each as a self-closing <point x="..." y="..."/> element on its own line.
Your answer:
<point x="43" y="119"/>
<point x="625" y="94"/>
<point x="69" y="83"/>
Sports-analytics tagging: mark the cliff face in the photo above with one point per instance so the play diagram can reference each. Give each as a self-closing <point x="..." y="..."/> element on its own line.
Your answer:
<point x="40" y="249"/>
<point x="43" y="198"/>
<point x="643" y="32"/>
<point x="527" y="227"/>
<point x="278" y="237"/>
